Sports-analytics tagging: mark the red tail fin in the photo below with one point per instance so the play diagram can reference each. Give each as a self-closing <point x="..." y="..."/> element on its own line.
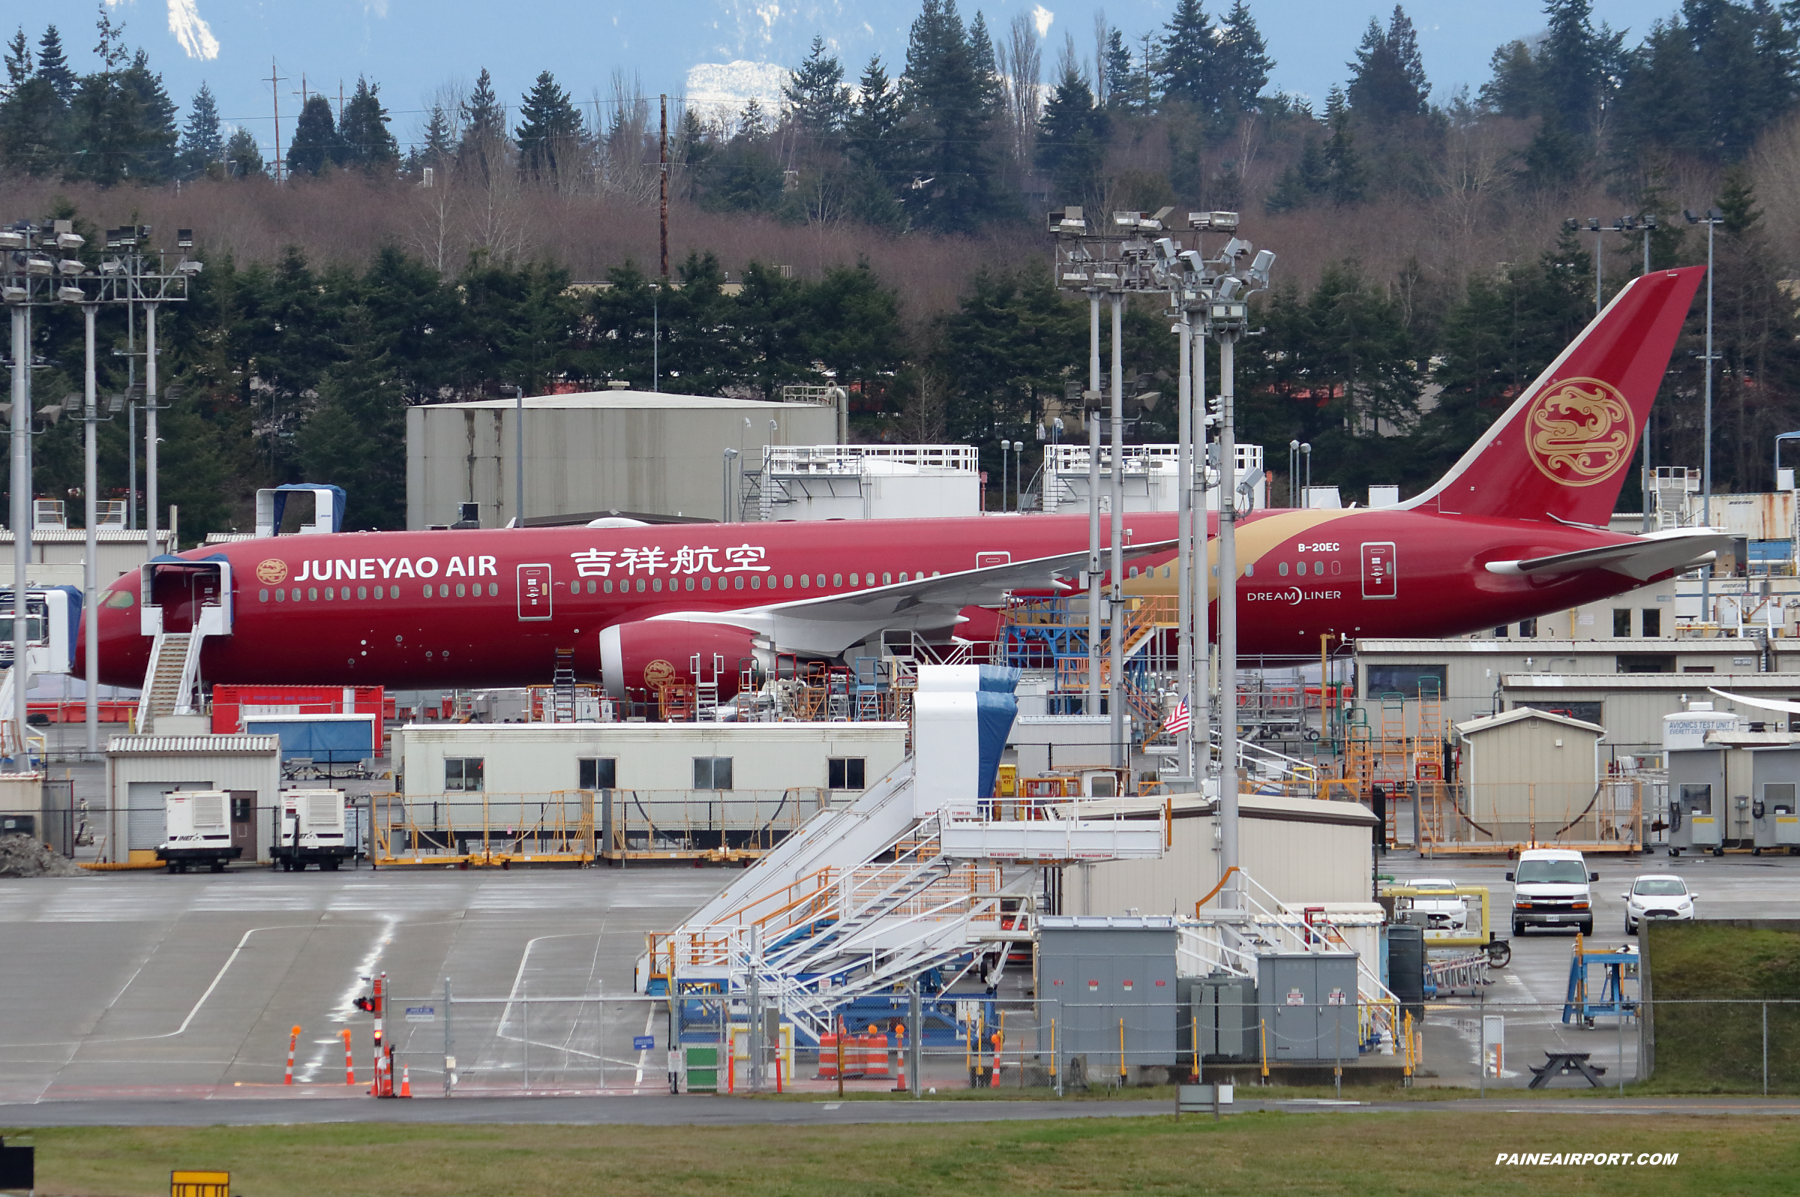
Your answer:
<point x="1565" y="446"/>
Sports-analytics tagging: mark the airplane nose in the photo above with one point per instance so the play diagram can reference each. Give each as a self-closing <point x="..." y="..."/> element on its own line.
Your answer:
<point x="124" y="652"/>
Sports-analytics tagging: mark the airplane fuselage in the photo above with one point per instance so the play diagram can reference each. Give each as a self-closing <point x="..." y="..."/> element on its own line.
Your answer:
<point x="492" y="607"/>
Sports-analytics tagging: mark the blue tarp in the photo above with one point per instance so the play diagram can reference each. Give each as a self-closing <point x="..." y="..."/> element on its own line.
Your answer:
<point x="344" y="741"/>
<point x="995" y="709"/>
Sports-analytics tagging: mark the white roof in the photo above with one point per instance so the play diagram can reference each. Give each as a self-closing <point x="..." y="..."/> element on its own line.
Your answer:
<point x="205" y="745"/>
<point x="622" y="401"/>
<point x="1519" y="714"/>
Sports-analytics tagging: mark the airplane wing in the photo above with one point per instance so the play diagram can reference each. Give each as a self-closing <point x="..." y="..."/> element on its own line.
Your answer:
<point x="828" y="624"/>
<point x="1767" y="704"/>
<point x="1642" y="558"/>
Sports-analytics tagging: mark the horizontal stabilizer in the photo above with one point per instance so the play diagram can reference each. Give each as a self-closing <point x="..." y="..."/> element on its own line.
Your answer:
<point x="1642" y="558"/>
<point x="1767" y="704"/>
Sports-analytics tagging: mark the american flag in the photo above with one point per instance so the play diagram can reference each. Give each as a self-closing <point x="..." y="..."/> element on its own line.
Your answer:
<point x="1177" y="721"/>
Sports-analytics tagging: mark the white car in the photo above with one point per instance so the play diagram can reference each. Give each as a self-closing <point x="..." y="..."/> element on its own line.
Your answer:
<point x="1657" y="896"/>
<point x="1444" y="908"/>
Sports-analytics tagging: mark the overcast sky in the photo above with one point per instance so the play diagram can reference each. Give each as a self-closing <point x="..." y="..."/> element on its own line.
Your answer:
<point x="415" y="47"/>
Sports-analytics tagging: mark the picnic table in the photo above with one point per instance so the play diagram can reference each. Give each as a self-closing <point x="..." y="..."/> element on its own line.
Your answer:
<point x="1565" y="1064"/>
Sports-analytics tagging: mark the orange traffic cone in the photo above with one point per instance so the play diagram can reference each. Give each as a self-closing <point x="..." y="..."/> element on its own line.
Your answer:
<point x="405" y="1080"/>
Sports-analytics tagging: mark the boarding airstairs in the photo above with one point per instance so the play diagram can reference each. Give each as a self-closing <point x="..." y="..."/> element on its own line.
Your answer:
<point x="861" y="898"/>
<point x="169" y="678"/>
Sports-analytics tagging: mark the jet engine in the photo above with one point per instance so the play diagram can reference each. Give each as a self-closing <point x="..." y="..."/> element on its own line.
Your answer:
<point x="636" y="659"/>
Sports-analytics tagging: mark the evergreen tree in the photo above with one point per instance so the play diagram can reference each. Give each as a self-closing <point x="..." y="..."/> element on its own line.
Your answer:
<point x="53" y="66"/>
<point x="815" y="92"/>
<point x="484" y="144"/>
<point x="947" y="101"/>
<point x="1387" y="79"/>
<point x="1569" y="68"/>
<point x="873" y="127"/>
<point x="1124" y="92"/>
<point x="358" y="430"/>
<point x="551" y="137"/>
<point x="33" y="118"/>
<point x="439" y="145"/>
<point x="123" y="122"/>
<point x="1186" y="68"/>
<point x="202" y="142"/>
<point x="158" y="133"/>
<point x="243" y="157"/>
<point x="1241" y="58"/>
<point x="1513" y="89"/>
<point x="316" y="144"/>
<point x="987" y="71"/>
<point x="1071" y="142"/>
<point x="1347" y="179"/>
<point x="363" y="128"/>
<point x="753" y="125"/>
<point x="20" y="65"/>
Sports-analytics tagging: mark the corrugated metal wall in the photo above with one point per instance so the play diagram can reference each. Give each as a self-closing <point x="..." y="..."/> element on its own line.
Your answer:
<point x="1300" y="863"/>
<point x="135" y="783"/>
<point x="661" y="457"/>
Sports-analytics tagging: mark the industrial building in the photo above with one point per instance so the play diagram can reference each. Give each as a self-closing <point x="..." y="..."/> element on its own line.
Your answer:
<point x="598" y="451"/>
<point x="860" y="482"/>
<point x="1297" y="848"/>
<point x="140" y="770"/>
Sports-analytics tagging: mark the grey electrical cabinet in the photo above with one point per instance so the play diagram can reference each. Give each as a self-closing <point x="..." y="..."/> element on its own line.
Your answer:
<point x="1696" y="798"/>
<point x="1224" y="1013"/>
<point x="1096" y="973"/>
<point x="1775" y="778"/>
<point x="1307" y="1005"/>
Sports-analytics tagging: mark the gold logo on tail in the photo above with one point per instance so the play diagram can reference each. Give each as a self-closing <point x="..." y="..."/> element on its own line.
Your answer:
<point x="271" y="572"/>
<point x="1580" y="432"/>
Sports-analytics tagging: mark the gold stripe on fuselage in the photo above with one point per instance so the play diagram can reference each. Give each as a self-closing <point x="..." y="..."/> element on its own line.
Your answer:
<point x="1256" y="539"/>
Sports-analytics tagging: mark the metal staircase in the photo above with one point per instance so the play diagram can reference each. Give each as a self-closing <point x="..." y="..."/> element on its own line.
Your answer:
<point x="562" y="684"/>
<point x="169" y="679"/>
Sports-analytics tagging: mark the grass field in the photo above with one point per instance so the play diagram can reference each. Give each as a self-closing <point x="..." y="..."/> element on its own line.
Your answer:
<point x="1717" y="1047"/>
<point x="1427" y="1153"/>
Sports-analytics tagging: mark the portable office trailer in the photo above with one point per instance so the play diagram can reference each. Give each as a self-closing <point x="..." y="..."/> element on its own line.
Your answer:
<point x="841" y="759"/>
<point x="141" y="770"/>
<point x="1774" y="787"/>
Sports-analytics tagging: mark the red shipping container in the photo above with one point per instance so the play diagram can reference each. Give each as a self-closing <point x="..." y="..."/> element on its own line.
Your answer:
<point x="230" y="703"/>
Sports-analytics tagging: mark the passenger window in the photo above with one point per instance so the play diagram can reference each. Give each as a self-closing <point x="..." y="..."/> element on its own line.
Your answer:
<point x="262" y="595"/>
<point x="1282" y="569"/>
<point x="837" y="579"/>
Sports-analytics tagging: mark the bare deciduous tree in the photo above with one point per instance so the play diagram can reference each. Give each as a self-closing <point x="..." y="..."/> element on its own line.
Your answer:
<point x="1022" y="62"/>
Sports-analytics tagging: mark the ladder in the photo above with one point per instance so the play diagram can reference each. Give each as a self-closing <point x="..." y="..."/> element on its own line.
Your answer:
<point x="562" y="709"/>
<point x="706" y="688"/>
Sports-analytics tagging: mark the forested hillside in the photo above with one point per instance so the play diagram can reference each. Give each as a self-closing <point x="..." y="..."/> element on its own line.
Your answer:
<point x="884" y="227"/>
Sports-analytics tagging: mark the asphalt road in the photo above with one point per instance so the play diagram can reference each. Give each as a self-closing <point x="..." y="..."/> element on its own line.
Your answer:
<point x="728" y="1111"/>
<point x="1531" y="990"/>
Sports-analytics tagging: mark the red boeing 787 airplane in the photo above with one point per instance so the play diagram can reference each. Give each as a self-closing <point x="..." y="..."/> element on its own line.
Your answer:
<point x="1515" y="530"/>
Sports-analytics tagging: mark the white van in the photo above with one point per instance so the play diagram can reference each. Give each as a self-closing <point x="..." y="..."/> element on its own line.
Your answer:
<point x="1550" y="889"/>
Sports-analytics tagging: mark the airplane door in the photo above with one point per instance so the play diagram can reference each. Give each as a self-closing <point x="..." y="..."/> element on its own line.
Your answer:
<point x="534" y="592"/>
<point x="1380" y="578"/>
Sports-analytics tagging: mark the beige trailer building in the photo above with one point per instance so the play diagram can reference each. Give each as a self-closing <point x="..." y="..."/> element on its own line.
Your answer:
<point x="629" y="790"/>
<point x="1526" y="774"/>
<point x="140" y="770"/>
<point x="627" y="451"/>
<point x="1303" y="851"/>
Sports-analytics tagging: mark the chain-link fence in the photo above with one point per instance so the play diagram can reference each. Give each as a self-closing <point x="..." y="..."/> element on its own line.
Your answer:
<point x="527" y="1043"/>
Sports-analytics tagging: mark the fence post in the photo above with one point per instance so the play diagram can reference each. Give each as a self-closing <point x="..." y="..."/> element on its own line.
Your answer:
<point x="449" y="1044"/>
<point x="525" y="1038"/>
<point x="1765" y="1033"/>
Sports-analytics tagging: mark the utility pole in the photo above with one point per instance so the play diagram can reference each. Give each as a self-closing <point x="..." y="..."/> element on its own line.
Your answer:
<point x="1116" y="691"/>
<point x="1091" y="412"/>
<point x="275" y="82"/>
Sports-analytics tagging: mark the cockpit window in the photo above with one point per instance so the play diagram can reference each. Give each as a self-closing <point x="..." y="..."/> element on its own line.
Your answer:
<point x="120" y="598"/>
